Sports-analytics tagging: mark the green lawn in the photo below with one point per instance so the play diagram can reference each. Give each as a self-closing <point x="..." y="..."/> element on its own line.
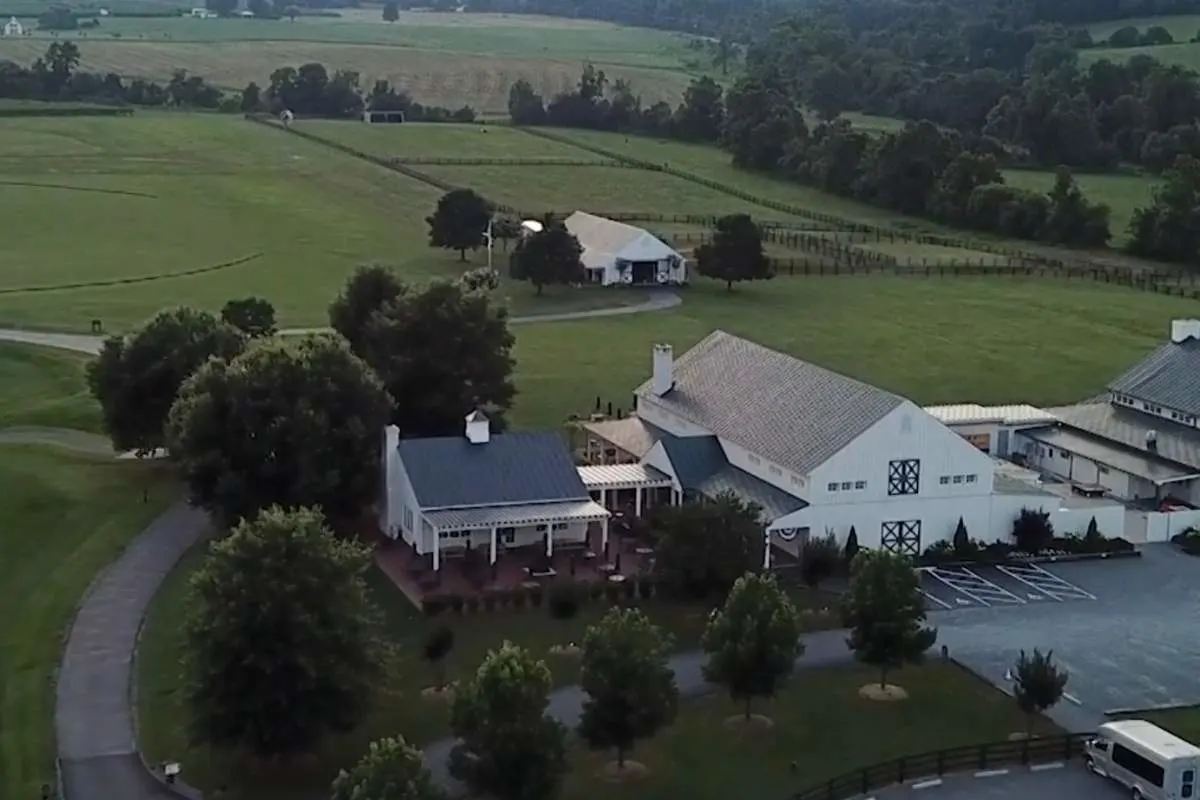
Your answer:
<point x="1184" y="722"/>
<point x="821" y="725"/>
<point x="401" y="708"/>
<point x="44" y="387"/>
<point x="1181" y="27"/>
<point x="948" y="340"/>
<point x="63" y="519"/>
<point x="1124" y="194"/>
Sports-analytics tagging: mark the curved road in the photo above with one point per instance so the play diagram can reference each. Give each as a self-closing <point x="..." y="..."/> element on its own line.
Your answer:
<point x="94" y="716"/>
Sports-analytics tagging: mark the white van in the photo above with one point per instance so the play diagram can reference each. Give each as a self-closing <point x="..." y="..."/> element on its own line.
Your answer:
<point x="1154" y="764"/>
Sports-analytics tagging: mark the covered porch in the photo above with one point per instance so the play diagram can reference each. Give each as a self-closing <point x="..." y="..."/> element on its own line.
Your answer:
<point x="626" y="489"/>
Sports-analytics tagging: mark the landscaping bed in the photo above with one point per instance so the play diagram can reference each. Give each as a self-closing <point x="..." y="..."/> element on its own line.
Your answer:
<point x="1188" y="541"/>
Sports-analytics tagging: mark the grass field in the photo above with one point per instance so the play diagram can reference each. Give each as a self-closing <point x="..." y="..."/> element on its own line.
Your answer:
<point x="1181" y="27"/>
<point x="1184" y="722"/>
<point x="63" y="518"/>
<point x="440" y="59"/>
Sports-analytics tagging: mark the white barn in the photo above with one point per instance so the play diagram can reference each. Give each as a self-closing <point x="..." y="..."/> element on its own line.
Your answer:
<point x="14" y="28"/>
<point x="821" y="453"/>
<point x="616" y="253"/>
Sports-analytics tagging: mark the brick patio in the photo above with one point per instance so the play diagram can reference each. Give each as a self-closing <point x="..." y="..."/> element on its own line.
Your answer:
<point x="468" y="573"/>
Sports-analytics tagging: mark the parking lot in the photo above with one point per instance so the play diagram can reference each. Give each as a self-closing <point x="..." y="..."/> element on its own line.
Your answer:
<point x="988" y="586"/>
<point x="1045" y="782"/>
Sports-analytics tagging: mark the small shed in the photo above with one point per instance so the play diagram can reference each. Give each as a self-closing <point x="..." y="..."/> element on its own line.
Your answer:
<point x="619" y="253"/>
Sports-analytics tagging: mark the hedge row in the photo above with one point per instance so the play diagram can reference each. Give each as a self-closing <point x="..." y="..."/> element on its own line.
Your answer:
<point x="50" y="110"/>
<point x="520" y="598"/>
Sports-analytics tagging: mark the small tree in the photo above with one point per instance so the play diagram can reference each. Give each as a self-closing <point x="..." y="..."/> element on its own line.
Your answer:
<point x="509" y="748"/>
<point x="852" y="546"/>
<point x="1032" y="531"/>
<point x="438" y="645"/>
<point x="479" y="280"/>
<point x="1038" y="684"/>
<point x="631" y="690"/>
<point x="884" y="610"/>
<point x="253" y="316"/>
<point x="550" y="256"/>
<point x="752" y="641"/>
<point x="701" y="549"/>
<point x="1092" y="537"/>
<point x="962" y="541"/>
<point x="735" y="253"/>
<point x="391" y="11"/>
<point x="819" y="559"/>
<point x="459" y="222"/>
<point x="292" y="12"/>
<point x="390" y="770"/>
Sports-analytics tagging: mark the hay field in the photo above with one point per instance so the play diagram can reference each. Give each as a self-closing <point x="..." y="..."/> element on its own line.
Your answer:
<point x="429" y="140"/>
<point x="1122" y="193"/>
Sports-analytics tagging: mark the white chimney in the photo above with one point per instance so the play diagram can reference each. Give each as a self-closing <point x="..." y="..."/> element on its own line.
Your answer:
<point x="664" y="368"/>
<point x="479" y="430"/>
<point x="391" y="440"/>
<point x="1184" y="329"/>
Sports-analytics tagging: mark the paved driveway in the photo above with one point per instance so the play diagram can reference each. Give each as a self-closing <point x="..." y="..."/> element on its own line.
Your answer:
<point x="1133" y="646"/>
<point x="1055" y="783"/>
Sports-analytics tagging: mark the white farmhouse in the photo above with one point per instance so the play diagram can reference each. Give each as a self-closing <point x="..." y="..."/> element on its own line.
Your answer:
<point x="14" y="28"/>
<point x="819" y="452"/>
<point x="617" y="253"/>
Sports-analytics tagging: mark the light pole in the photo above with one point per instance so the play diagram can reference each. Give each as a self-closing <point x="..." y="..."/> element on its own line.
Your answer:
<point x="488" y="236"/>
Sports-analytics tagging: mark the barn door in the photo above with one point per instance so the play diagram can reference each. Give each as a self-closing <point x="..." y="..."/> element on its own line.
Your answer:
<point x="903" y="537"/>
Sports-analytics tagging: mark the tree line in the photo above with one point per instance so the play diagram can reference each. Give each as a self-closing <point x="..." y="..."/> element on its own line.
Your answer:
<point x="307" y="90"/>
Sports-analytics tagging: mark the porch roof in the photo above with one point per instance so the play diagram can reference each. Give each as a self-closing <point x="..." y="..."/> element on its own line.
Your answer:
<point x="622" y="476"/>
<point x="520" y="514"/>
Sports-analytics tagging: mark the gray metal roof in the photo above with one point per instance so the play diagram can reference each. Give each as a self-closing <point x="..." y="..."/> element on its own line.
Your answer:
<point x="511" y="468"/>
<point x="694" y="458"/>
<point x="775" y="502"/>
<point x="630" y="434"/>
<point x="1169" y="377"/>
<point x="790" y="412"/>
<point x="1175" y="443"/>
<point x="1009" y="484"/>
<point x="1143" y="464"/>
<point x="700" y="464"/>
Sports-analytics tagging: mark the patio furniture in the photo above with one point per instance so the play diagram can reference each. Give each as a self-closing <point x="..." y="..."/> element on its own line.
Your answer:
<point x="530" y="585"/>
<point x="644" y="551"/>
<point x="589" y="556"/>
<point x="616" y="578"/>
<point x="545" y="572"/>
<point x="606" y="568"/>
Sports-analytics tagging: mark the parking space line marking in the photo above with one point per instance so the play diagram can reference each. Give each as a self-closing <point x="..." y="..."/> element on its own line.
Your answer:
<point x="1016" y="577"/>
<point x="941" y="603"/>
<point x="929" y="784"/>
<point x="1072" y="588"/>
<point x="1047" y="582"/>
<point x="1041" y="767"/>
<point x="1070" y="698"/>
<point x="935" y="572"/>
<point x="990" y="773"/>
<point x="1000" y="590"/>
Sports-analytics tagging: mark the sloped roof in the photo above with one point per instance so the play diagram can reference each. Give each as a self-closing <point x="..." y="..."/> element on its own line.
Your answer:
<point x="791" y="412"/>
<point x="1169" y="377"/>
<point x="1175" y="443"/>
<point x="602" y="234"/>
<point x="450" y="472"/>
<point x="700" y="464"/>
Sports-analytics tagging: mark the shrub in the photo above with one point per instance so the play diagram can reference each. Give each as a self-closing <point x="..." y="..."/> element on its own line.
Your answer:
<point x="535" y="597"/>
<point x="646" y="588"/>
<point x="962" y="541"/>
<point x="938" y="553"/>
<point x="456" y="602"/>
<point x="433" y="605"/>
<point x="852" y="547"/>
<point x="517" y="597"/>
<point x="819" y="559"/>
<point x="612" y="591"/>
<point x="564" y="601"/>
<point x="1032" y="531"/>
<point x="472" y="604"/>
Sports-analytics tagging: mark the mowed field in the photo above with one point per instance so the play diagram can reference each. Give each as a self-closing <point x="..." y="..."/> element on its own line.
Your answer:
<point x="1124" y="194"/>
<point x="1182" y="28"/>
<point x="440" y="59"/>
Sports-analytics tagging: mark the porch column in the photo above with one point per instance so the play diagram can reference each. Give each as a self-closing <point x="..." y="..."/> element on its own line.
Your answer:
<point x="604" y="533"/>
<point x="437" y="547"/>
<point x="549" y="539"/>
<point x="674" y="497"/>
<point x="493" y="552"/>
<point x="767" y="549"/>
<point x="637" y="502"/>
<point x="604" y="498"/>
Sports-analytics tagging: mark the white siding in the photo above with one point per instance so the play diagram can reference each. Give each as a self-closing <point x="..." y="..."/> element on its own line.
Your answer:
<point x="762" y="469"/>
<point x="1070" y="467"/>
<point x="399" y="496"/>
<point x="481" y="539"/>
<point x="657" y="458"/>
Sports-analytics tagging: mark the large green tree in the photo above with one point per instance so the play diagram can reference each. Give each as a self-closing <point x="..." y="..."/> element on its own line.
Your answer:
<point x="369" y="289"/>
<point x="281" y="639"/>
<point x="735" y="253"/>
<point x="753" y="640"/>
<point x="459" y="222"/>
<point x="137" y="376"/>
<point x="885" y="611"/>
<point x="550" y="256"/>
<point x="509" y="747"/>
<point x="631" y="689"/>
<point x="391" y="769"/>
<point x="442" y="352"/>
<point x="253" y="316"/>
<point x="289" y="423"/>
<point x="702" y="548"/>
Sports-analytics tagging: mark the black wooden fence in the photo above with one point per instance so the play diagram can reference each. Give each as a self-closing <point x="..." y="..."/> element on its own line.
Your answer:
<point x="941" y="762"/>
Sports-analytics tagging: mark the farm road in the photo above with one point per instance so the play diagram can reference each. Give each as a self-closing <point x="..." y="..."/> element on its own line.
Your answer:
<point x="84" y="343"/>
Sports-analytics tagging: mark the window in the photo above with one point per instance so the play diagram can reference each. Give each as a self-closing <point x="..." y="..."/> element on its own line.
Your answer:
<point x="559" y="526"/>
<point x="408" y="519"/>
<point x="755" y="460"/>
<point x="971" y="478"/>
<point x="847" y="486"/>
<point x="776" y="470"/>
<point x="904" y="476"/>
<point x="506" y="535"/>
<point x="944" y="480"/>
<point x="832" y="487"/>
<point x="541" y="528"/>
<point x="1063" y="454"/>
<point x="1137" y="764"/>
<point x="796" y="481"/>
<point x="1187" y="783"/>
<point x="958" y="478"/>
<point x="860" y="484"/>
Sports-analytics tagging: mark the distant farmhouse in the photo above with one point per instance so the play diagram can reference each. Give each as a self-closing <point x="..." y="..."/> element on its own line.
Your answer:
<point x="615" y="253"/>
<point x="13" y="28"/>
